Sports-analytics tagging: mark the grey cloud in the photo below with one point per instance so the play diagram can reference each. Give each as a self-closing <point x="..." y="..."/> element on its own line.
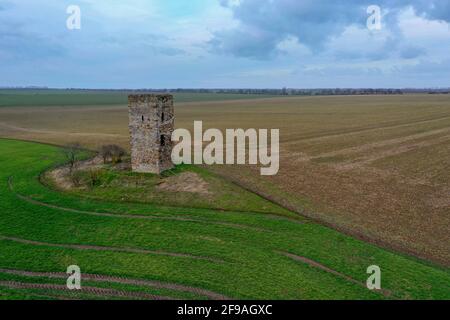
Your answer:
<point x="265" y="23"/>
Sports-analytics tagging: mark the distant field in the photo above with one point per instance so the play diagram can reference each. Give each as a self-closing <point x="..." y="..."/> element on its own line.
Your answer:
<point x="82" y="97"/>
<point x="376" y="167"/>
<point x="135" y="250"/>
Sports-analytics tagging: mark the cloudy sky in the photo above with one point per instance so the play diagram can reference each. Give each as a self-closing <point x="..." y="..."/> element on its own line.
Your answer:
<point x="225" y="43"/>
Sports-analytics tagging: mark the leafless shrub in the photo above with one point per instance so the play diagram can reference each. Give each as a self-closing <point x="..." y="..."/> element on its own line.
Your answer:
<point x="95" y="177"/>
<point x="72" y="153"/>
<point x="113" y="152"/>
<point x="77" y="178"/>
<point x="105" y="153"/>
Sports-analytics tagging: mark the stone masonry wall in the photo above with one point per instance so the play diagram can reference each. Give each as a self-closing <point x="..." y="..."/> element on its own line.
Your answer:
<point x="151" y="124"/>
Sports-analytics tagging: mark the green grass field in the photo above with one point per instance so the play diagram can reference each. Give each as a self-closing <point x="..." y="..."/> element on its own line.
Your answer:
<point x="53" y="97"/>
<point x="184" y="252"/>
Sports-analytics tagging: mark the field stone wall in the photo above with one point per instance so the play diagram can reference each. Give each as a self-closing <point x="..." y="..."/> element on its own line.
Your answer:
<point x="151" y="124"/>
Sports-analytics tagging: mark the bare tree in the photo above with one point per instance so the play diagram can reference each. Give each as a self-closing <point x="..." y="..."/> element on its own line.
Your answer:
<point x="105" y="152"/>
<point x="72" y="153"/>
<point x="117" y="154"/>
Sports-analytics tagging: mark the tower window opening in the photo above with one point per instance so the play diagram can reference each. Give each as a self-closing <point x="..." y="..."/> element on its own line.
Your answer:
<point x="142" y="118"/>
<point x="163" y="140"/>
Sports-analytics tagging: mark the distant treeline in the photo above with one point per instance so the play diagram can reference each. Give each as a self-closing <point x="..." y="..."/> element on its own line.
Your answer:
<point x="299" y="92"/>
<point x="309" y="92"/>
<point x="272" y="92"/>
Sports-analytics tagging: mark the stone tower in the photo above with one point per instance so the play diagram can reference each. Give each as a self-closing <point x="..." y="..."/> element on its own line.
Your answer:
<point x="151" y="127"/>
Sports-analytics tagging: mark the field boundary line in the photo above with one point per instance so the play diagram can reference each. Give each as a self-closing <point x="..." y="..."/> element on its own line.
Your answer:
<point x="311" y="217"/>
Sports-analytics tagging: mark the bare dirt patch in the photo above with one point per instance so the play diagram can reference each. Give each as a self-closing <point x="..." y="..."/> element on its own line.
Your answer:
<point x="440" y="200"/>
<point x="185" y="182"/>
<point x="61" y="175"/>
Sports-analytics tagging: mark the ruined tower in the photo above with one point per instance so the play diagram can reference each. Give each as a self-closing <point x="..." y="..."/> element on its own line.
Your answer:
<point x="151" y="124"/>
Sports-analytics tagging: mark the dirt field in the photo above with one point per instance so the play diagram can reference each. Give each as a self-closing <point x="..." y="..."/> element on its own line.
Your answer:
<point x="373" y="166"/>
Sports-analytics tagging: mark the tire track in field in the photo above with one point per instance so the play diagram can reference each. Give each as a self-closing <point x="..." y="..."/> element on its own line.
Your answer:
<point x="104" y="248"/>
<point x="360" y="130"/>
<point x="53" y="296"/>
<point x="384" y="143"/>
<point x="322" y="267"/>
<point x="365" y="160"/>
<point x="103" y="292"/>
<point x="129" y="216"/>
<point x="122" y="280"/>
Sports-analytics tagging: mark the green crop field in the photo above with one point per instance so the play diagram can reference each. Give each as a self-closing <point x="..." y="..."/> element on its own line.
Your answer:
<point x="53" y="97"/>
<point x="144" y="250"/>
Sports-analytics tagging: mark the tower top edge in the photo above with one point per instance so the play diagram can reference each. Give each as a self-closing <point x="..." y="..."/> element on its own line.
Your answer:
<point x="149" y="97"/>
